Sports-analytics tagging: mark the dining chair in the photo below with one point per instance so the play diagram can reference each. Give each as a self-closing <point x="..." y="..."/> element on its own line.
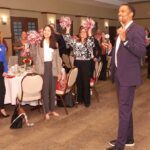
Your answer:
<point x="108" y="73"/>
<point x="31" y="89"/>
<point x="95" y="80"/>
<point x="71" y="79"/>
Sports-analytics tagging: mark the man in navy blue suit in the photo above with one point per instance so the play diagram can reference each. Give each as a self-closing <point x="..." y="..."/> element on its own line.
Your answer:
<point x="125" y="69"/>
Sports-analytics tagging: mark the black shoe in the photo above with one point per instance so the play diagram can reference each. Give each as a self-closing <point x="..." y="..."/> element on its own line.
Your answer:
<point x="128" y="143"/>
<point x="113" y="148"/>
<point x="87" y="105"/>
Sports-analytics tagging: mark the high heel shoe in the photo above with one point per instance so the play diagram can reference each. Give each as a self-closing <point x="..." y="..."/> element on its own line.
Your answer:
<point x="2" y="115"/>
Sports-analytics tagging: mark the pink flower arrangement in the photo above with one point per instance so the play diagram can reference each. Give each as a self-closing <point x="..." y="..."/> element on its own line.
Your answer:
<point x="88" y="23"/>
<point x="33" y="37"/>
<point x="65" y="22"/>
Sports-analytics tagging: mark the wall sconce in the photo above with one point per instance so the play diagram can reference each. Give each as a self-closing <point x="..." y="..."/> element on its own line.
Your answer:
<point x="82" y="21"/>
<point x="106" y="24"/>
<point x="4" y="20"/>
<point x="51" y="20"/>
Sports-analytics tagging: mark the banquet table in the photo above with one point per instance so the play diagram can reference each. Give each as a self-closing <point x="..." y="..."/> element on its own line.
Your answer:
<point x="13" y="86"/>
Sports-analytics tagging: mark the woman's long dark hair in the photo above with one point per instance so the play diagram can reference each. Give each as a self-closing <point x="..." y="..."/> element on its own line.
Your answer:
<point x="80" y="29"/>
<point x="52" y="39"/>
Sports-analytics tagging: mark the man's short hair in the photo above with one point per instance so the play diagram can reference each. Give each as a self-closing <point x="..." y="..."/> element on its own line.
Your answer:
<point x="131" y="8"/>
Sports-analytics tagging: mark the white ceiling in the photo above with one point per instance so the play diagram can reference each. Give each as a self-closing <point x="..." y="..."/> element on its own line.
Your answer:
<point x="106" y="3"/>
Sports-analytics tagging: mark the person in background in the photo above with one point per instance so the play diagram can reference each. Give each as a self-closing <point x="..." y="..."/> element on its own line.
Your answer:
<point x="97" y="56"/>
<point x="3" y="41"/>
<point x="60" y="40"/>
<point x="98" y="50"/>
<point x="48" y="63"/>
<point x="83" y="53"/>
<point x="104" y="48"/>
<point x="41" y="32"/>
<point x="3" y="73"/>
<point x="22" y="48"/>
<point x="147" y="32"/>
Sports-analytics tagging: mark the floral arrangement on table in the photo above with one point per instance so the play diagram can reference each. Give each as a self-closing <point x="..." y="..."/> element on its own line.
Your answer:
<point x="89" y="23"/>
<point x="25" y="53"/>
<point x="33" y="37"/>
<point x="65" y="22"/>
<point x="27" y="60"/>
<point x="26" y="50"/>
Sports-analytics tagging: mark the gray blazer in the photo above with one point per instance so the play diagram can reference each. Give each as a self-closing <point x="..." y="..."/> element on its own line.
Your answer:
<point x="38" y="60"/>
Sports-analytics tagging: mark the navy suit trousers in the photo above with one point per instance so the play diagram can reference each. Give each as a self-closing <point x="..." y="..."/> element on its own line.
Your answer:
<point x="125" y="101"/>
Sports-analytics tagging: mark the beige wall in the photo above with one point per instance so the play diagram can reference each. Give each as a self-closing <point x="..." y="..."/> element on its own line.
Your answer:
<point x="5" y="28"/>
<point x="59" y="6"/>
<point x="144" y="22"/>
<point x="33" y="9"/>
<point x="142" y="14"/>
<point x="30" y="14"/>
<point x="142" y="10"/>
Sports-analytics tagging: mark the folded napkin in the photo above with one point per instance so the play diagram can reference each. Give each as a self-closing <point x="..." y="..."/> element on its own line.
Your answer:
<point x="10" y="76"/>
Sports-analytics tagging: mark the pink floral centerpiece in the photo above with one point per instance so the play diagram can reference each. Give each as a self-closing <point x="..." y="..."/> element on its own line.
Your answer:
<point x="89" y="23"/>
<point x="33" y="37"/>
<point x="65" y="22"/>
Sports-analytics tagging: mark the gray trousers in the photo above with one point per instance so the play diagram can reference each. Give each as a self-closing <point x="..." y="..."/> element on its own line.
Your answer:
<point x="49" y="87"/>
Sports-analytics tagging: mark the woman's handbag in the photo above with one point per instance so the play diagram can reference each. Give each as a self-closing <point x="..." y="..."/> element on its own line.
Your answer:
<point x="17" y="118"/>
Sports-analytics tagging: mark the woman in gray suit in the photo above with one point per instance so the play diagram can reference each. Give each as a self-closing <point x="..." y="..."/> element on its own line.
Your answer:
<point x="48" y="64"/>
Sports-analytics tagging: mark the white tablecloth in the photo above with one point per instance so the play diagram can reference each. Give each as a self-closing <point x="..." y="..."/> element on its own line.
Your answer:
<point x="13" y="85"/>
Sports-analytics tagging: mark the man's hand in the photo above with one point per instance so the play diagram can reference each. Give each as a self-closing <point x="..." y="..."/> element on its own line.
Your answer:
<point x="122" y="33"/>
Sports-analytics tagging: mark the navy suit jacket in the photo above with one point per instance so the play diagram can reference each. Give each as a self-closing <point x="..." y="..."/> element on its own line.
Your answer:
<point x="129" y="57"/>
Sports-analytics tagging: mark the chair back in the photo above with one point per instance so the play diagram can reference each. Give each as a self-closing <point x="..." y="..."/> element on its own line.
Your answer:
<point x="72" y="77"/>
<point x="99" y="68"/>
<point x="13" y="60"/>
<point x="31" y="87"/>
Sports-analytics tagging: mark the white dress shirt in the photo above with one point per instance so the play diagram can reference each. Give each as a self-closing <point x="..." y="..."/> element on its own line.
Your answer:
<point x="119" y="41"/>
<point x="47" y="52"/>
